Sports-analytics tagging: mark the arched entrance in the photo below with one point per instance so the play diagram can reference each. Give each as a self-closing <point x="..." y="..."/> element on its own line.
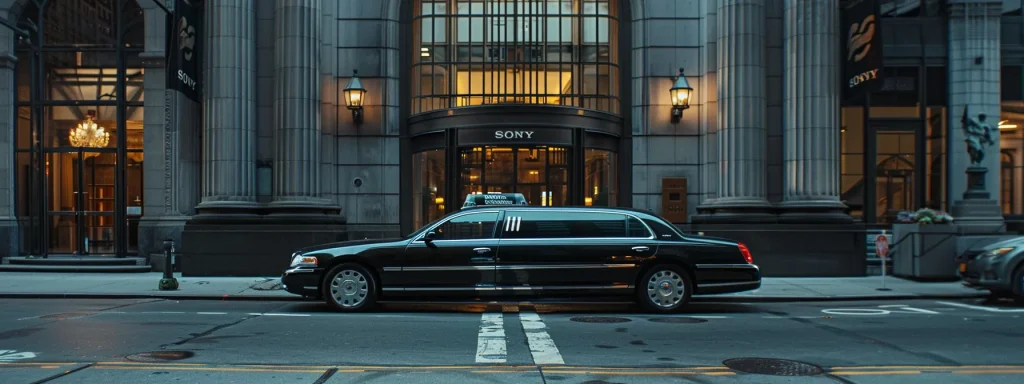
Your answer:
<point x="79" y="126"/>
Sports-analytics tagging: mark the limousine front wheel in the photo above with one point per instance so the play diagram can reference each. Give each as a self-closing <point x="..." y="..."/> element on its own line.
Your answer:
<point x="350" y="287"/>
<point x="665" y="288"/>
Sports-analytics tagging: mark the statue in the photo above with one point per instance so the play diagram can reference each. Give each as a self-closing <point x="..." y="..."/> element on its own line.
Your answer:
<point x="977" y="134"/>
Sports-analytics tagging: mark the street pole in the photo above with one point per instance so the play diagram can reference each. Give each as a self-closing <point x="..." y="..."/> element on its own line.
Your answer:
<point x="168" y="283"/>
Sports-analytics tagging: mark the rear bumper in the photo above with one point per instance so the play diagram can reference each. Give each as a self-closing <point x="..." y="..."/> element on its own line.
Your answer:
<point x="727" y="278"/>
<point x="302" y="281"/>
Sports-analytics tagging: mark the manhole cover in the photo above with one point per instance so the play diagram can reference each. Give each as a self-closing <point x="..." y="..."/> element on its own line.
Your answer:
<point x="65" y="316"/>
<point x="677" y="320"/>
<point x="158" y="356"/>
<point x="777" y="367"/>
<point x="596" y="319"/>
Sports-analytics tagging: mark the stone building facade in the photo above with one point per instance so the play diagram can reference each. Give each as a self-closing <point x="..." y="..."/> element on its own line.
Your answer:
<point x="767" y="144"/>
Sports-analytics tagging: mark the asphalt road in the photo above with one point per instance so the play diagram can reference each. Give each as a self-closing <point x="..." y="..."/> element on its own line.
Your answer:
<point x="105" y="341"/>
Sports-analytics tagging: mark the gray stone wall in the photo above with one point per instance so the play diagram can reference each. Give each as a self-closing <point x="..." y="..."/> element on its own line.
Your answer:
<point x="9" y="235"/>
<point x="366" y="40"/>
<point x="667" y="35"/>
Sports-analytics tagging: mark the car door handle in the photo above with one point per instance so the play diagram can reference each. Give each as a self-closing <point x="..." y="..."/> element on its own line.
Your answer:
<point x="481" y="260"/>
<point x="640" y="248"/>
<point x="481" y="250"/>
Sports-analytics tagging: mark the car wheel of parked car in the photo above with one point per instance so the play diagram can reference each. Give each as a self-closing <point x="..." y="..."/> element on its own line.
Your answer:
<point x="1018" y="284"/>
<point x="350" y="288"/>
<point x="665" y="289"/>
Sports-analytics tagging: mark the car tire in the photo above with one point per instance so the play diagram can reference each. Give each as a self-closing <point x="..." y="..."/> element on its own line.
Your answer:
<point x="1017" y="284"/>
<point x="665" y="288"/>
<point x="350" y="287"/>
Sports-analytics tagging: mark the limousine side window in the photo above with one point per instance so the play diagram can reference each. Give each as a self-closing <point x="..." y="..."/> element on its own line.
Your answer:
<point x="555" y="224"/>
<point x="636" y="228"/>
<point x="468" y="227"/>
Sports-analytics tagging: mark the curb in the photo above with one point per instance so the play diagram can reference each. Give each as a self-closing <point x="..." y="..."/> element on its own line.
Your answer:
<point x="148" y="296"/>
<point x="696" y="299"/>
<point x="791" y="299"/>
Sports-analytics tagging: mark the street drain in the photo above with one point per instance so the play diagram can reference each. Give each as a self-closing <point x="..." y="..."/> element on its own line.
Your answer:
<point x="158" y="356"/>
<point x="597" y="319"/>
<point x="677" y="320"/>
<point x="776" y="367"/>
<point x="65" y="316"/>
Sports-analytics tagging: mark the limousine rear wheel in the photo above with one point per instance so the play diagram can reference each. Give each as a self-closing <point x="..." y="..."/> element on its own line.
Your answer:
<point x="349" y="287"/>
<point x="665" y="288"/>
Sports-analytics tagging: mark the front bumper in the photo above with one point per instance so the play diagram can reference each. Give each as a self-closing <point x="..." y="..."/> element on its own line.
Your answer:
<point x="302" y="281"/>
<point x="984" y="273"/>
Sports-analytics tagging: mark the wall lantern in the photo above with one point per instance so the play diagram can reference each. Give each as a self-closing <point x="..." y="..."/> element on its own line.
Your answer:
<point x="355" y="95"/>
<point x="680" y="92"/>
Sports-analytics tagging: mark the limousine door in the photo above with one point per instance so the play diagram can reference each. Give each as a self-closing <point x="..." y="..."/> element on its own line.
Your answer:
<point x="458" y="258"/>
<point x="576" y="251"/>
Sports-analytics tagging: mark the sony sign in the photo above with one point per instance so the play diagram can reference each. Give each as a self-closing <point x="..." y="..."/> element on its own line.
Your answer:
<point x="508" y="135"/>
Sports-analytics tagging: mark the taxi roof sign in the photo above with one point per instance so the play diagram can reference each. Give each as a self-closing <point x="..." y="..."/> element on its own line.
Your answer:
<point x="494" y="198"/>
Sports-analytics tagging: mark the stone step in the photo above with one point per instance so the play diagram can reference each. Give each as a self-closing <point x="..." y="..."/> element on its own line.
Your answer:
<point x="75" y="268"/>
<point x="77" y="261"/>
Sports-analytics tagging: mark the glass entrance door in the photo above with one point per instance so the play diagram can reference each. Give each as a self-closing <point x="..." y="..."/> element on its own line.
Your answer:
<point x="540" y="173"/>
<point x="893" y="156"/>
<point x="80" y="197"/>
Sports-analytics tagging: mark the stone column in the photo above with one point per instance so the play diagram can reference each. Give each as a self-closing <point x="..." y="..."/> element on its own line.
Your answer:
<point x="974" y="65"/>
<point x="229" y="119"/>
<point x="742" y="110"/>
<point x="297" y="104"/>
<point x="811" y="112"/>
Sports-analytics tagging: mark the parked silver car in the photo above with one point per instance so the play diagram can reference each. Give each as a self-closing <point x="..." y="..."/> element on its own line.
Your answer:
<point x="999" y="267"/>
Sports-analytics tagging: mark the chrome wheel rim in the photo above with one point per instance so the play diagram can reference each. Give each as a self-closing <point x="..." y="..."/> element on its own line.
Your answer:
<point x="349" y="288"/>
<point x="666" y="289"/>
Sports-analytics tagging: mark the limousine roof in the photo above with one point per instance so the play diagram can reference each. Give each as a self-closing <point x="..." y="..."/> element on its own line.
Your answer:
<point x="640" y="212"/>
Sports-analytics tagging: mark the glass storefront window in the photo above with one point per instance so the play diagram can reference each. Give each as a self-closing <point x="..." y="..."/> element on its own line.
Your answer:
<point x="428" y="187"/>
<point x="851" y="162"/>
<point x="540" y="173"/>
<point x="600" y="179"/>
<point x="66" y="194"/>
<point x="486" y="52"/>
<point x="1011" y="141"/>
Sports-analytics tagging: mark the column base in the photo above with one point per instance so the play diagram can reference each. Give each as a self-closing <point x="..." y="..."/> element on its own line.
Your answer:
<point x="10" y="237"/>
<point x="303" y="206"/>
<point x="735" y="210"/>
<point x="814" y="211"/>
<point x="227" y="207"/>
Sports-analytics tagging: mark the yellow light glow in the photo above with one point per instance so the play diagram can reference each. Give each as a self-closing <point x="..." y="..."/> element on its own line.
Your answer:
<point x="1005" y="124"/>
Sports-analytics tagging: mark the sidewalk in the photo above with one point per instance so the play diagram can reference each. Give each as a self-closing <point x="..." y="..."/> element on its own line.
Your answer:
<point x="144" y="285"/>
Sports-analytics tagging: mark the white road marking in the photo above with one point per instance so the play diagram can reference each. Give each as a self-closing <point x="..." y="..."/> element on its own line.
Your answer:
<point x="211" y="313"/>
<point x="708" y="317"/>
<point x="490" y="342"/>
<point x="906" y="308"/>
<point x="541" y="345"/>
<point x="11" y="355"/>
<point x="980" y="308"/>
<point x="287" y="314"/>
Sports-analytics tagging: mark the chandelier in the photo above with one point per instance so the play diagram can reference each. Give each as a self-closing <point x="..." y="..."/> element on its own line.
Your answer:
<point x="89" y="134"/>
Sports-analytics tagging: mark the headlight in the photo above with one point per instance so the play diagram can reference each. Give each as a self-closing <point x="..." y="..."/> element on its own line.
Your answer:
<point x="303" y="261"/>
<point x="999" y="251"/>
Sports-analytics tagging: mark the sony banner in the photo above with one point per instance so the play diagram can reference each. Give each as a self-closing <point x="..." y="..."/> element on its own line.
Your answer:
<point x="184" y="47"/>
<point x="862" y="53"/>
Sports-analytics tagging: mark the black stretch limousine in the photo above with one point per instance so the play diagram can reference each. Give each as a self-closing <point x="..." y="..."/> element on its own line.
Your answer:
<point x="504" y="251"/>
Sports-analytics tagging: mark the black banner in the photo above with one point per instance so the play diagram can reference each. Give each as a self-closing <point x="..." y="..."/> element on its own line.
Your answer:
<point x="184" y="63"/>
<point x="862" y="48"/>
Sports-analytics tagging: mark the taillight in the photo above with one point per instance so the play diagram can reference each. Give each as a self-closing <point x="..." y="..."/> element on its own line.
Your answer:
<point x="746" y="253"/>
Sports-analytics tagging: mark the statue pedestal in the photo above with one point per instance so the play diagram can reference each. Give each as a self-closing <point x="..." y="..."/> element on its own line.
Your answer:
<point x="977" y="213"/>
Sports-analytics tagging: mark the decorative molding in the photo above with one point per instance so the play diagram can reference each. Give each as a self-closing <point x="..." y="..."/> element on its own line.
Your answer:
<point x="8" y="61"/>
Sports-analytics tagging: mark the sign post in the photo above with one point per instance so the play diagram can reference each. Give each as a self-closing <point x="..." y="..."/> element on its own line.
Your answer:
<point x="882" y="250"/>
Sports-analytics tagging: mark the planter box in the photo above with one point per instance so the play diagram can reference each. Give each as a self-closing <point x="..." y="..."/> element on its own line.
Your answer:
<point x="924" y="251"/>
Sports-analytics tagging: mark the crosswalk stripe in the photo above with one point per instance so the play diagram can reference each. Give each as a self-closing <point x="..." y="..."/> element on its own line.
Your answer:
<point x="490" y="343"/>
<point x="542" y="347"/>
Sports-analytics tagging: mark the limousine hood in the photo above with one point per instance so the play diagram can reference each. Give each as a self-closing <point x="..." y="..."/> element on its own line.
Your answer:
<point x="350" y="244"/>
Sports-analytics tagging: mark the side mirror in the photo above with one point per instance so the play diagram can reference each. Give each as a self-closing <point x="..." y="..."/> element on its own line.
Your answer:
<point x="429" y="236"/>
